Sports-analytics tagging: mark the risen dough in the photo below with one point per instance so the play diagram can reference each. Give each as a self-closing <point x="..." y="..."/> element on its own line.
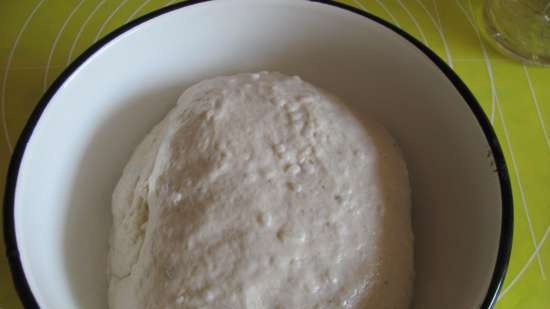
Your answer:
<point x="262" y="191"/>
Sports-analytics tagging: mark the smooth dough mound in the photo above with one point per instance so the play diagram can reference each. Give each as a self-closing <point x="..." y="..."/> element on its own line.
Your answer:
<point x="261" y="191"/>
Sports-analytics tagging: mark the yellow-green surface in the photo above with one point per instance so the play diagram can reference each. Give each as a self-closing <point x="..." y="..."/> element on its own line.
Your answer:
<point x="38" y="38"/>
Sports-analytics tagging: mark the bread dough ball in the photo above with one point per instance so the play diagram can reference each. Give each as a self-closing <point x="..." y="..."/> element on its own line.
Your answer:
<point x="262" y="191"/>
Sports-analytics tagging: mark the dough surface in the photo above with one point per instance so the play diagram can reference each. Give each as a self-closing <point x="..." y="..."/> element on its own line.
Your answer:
<point x="261" y="191"/>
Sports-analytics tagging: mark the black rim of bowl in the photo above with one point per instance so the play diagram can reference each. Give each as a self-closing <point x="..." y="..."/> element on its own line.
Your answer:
<point x="505" y="242"/>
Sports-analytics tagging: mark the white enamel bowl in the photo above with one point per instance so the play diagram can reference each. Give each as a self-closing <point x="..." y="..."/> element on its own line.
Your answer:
<point x="57" y="207"/>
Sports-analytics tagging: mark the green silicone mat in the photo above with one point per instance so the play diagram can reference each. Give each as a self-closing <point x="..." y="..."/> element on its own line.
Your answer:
<point x="39" y="38"/>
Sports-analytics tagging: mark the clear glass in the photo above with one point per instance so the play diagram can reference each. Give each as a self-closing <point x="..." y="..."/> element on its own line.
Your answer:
<point x="519" y="28"/>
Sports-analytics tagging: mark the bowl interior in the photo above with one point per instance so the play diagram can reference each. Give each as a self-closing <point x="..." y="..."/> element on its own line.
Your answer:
<point x="96" y="118"/>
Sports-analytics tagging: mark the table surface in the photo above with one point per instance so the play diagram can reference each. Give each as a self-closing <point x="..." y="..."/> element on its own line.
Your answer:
<point x="39" y="38"/>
